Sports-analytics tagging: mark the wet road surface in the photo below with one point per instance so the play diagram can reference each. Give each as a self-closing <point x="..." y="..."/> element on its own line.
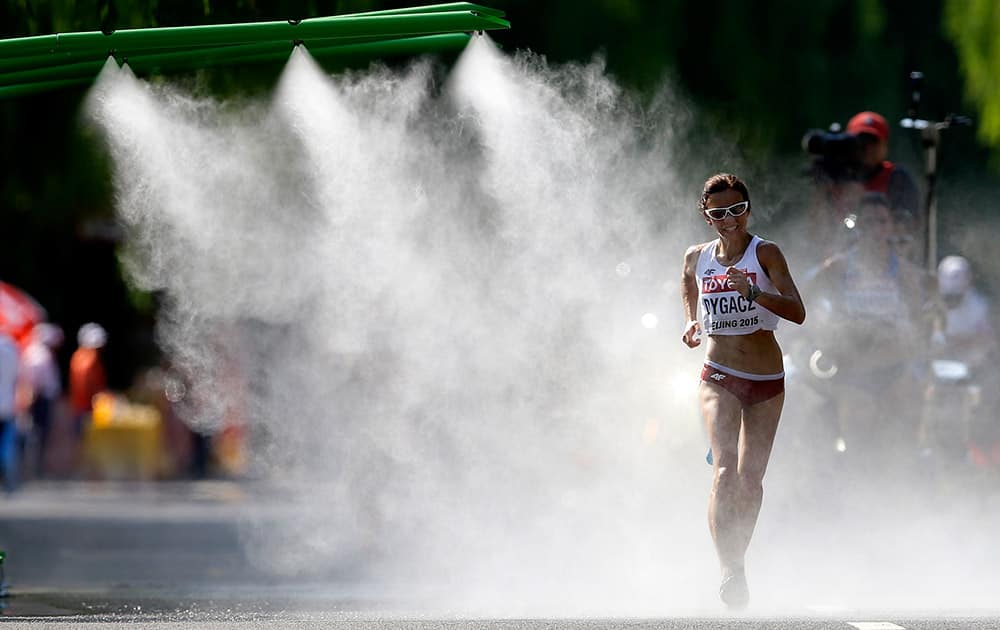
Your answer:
<point x="168" y="555"/>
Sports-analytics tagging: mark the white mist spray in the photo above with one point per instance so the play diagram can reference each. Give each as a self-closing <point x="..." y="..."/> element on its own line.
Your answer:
<point x="450" y="316"/>
<point x="434" y="304"/>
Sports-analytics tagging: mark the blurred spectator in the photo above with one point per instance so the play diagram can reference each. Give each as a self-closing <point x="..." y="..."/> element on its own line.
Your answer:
<point x="874" y="312"/>
<point x="86" y="373"/>
<point x="40" y="375"/>
<point x="963" y="385"/>
<point x="966" y="331"/>
<point x="160" y="387"/>
<point x="8" y="425"/>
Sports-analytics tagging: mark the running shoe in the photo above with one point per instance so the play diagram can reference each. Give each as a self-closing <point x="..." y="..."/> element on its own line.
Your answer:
<point x="734" y="591"/>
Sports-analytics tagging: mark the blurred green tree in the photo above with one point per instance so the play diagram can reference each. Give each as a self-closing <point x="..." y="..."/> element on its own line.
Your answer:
<point x="974" y="27"/>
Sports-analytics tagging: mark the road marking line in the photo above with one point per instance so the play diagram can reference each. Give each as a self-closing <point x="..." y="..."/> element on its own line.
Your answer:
<point x="875" y="625"/>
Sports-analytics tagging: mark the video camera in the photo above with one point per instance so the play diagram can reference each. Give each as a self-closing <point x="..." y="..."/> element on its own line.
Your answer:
<point x="836" y="154"/>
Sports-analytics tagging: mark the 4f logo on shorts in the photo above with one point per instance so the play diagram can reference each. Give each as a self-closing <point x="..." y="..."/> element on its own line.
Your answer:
<point x="718" y="376"/>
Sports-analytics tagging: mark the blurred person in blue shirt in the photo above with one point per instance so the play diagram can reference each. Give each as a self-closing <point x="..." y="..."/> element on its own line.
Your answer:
<point x="9" y="363"/>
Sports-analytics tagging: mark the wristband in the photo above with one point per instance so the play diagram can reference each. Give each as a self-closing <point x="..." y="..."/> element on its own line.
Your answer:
<point x="754" y="293"/>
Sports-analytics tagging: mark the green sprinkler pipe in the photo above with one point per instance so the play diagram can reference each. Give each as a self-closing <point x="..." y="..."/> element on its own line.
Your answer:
<point x="434" y="8"/>
<point x="181" y="59"/>
<point x="84" y="70"/>
<point x="10" y="68"/>
<point x="23" y="89"/>
<point x="404" y="46"/>
<point x="252" y="53"/>
<point x="143" y="64"/>
<point x="128" y="42"/>
<point x="194" y="58"/>
<point x="26" y="62"/>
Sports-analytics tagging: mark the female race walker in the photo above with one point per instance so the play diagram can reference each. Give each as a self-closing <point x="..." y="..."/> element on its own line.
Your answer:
<point x="735" y="289"/>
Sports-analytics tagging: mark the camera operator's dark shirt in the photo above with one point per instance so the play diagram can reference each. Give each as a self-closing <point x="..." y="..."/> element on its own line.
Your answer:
<point x="897" y="184"/>
<point x="904" y="202"/>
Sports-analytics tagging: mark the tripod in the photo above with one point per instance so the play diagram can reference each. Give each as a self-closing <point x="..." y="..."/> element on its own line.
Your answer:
<point x="930" y="134"/>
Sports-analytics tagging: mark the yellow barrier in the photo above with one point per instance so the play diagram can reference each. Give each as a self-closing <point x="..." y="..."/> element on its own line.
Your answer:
<point x="122" y="440"/>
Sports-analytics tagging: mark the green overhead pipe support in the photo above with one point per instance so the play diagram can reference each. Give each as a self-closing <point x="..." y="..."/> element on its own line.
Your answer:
<point x="144" y="64"/>
<point x="131" y="41"/>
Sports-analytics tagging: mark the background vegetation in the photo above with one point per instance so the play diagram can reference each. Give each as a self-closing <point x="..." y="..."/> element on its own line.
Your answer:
<point x="759" y="73"/>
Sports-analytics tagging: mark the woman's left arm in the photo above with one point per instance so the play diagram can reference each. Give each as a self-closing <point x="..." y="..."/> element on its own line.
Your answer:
<point x="787" y="303"/>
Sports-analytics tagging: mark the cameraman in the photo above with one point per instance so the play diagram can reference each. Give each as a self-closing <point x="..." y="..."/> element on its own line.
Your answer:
<point x="878" y="174"/>
<point x="848" y="165"/>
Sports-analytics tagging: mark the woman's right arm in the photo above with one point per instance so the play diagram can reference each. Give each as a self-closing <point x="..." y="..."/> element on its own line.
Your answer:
<point x="689" y="297"/>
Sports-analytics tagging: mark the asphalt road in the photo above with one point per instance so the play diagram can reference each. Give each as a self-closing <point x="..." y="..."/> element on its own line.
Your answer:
<point x="168" y="555"/>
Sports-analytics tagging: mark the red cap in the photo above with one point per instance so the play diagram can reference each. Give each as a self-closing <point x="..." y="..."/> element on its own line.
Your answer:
<point x="868" y="122"/>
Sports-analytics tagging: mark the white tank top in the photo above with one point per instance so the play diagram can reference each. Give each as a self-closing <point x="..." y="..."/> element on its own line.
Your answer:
<point x="721" y="309"/>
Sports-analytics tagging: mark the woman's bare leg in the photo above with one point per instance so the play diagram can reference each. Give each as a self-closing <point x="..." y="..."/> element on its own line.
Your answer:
<point x="760" y="425"/>
<point x="741" y="442"/>
<point x="722" y="413"/>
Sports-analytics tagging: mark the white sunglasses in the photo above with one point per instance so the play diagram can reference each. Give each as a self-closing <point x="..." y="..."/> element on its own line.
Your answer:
<point x="737" y="209"/>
